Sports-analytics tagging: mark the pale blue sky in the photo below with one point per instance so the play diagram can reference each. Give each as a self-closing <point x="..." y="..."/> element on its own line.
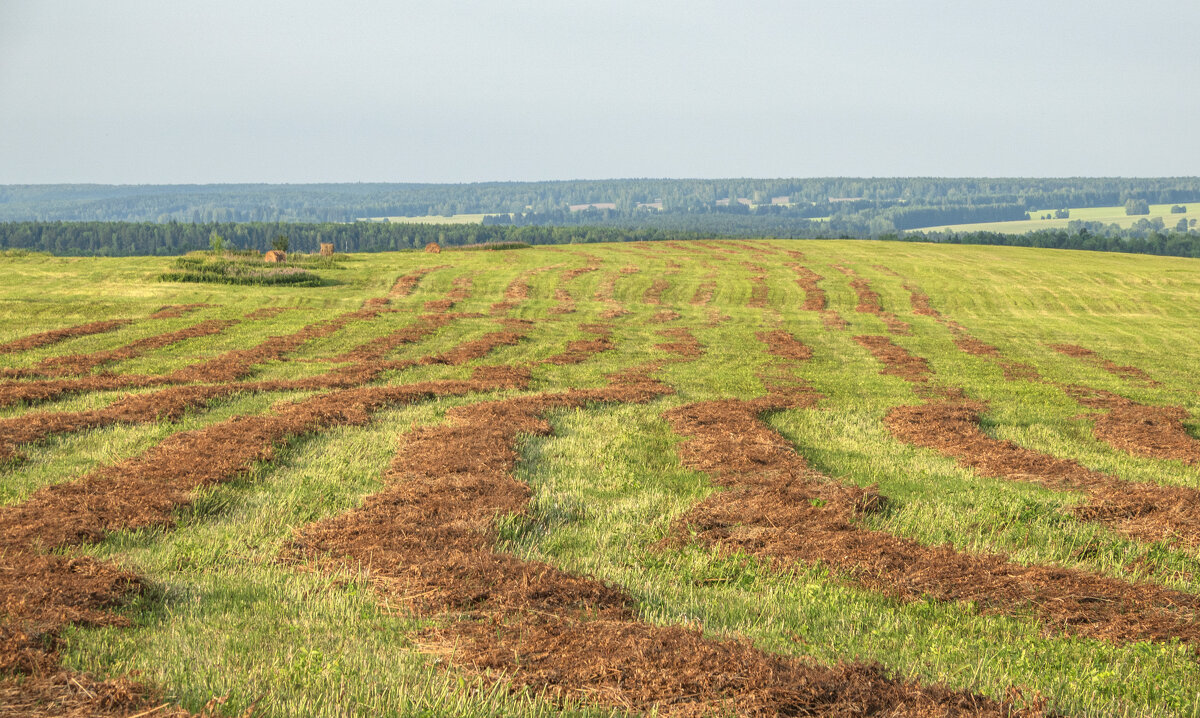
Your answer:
<point x="450" y="90"/>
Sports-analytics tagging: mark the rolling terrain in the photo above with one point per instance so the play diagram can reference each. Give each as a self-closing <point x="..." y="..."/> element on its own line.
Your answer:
<point x="747" y="477"/>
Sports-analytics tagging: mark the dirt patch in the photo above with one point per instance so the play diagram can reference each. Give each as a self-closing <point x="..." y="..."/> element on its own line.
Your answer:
<point x="1123" y="371"/>
<point x="1143" y="511"/>
<point x="174" y="311"/>
<point x="778" y="508"/>
<point x="55" y="336"/>
<point x="783" y="344"/>
<point x="77" y="364"/>
<point x="428" y="542"/>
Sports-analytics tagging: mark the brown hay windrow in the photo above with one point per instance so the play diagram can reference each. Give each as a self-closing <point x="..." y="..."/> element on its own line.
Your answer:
<point x="896" y="359"/>
<point x="170" y="403"/>
<point x="885" y="270"/>
<point x="778" y="508"/>
<point x="1156" y="432"/>
<point x="407" y="283"/>
<point x="870" y="303"/>
<point x="174" y="311"/>
<point x="427" y="540"/>
<point x="580" y="350"/>
<point x="1123" y="371"/>
<point x="55" y="336"/>
<point x="920" y="302"/>
<point x="814" y="296"/>
<point x="268" y="312"/>
<point x="605" y="291"/>
<point x="518" y="289"/>
<point x="760" y="290"/>
<point x="783" y="344"/>
<point x="653" y="293"/>
<point x="77" y="364"/>
<point x="704" y="293"/>
<point x="663" y="316"/>
<point x="1143" y="511"/>
<point x="565" y="303"/>
<point x="832" y="320"/>
<point x="685" y="344"/>
<point x="43" y="593"/>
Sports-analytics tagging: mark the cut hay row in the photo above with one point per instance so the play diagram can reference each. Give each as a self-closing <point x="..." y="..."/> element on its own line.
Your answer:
<point x="653" y="294"/>
<point x="518" y="289"/>
<point x="44" y="593"/>
<point x="429" y="538"/>
<point x="406" y="284"/>
<point x="580" y="350"/>
<point x="759" y="290"/>
<point x="704" y="292"/>
<point x="778" y="508"/>
<point x="1156" y="432"/>
<point x="1123" y="371"/>
<point x="174" y="311"/>
<point x="1147" y="512"/>
<point x="869" y="302"/>
<point x="80" y="364"/>
<point x="55" y="336"/>
<point x="814" y="296"/>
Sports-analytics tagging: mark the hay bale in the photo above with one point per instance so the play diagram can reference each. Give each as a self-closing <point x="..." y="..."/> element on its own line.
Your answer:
<point x="275" y="256"/>
<point x="326" y="249"/>
<point x="433" y="248"/>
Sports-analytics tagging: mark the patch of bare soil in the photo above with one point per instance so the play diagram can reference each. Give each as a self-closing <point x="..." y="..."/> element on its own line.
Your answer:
<point x="428" y="541"/>
<point x="783" y="344"/>
<point x="1123" y="371"/>
<point x="814" y="296"/>
<point x="778" y="508"/>
<point x="174" y="311"/>
<point x="77" y="364"/>
<point x="54" y="336"/>
<point x="1143" y="511"/>
<point x="653" y="293"/>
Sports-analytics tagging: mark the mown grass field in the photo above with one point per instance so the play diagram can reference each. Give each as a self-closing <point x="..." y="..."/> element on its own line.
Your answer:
<point x="261" y="583"/>
<point x="1106" y="215"/>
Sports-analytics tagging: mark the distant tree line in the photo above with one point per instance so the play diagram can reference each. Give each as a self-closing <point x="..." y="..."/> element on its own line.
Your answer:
<point x="1147" y="236"/>
<point x="897" y="200"/>
<point x="124" y="239"/>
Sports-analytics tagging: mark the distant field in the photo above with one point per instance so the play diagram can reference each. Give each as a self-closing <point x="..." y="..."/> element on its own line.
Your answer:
<point x="698" y="478"/>
<point x="1107" y="215"/>
<point x="435" y="219"/>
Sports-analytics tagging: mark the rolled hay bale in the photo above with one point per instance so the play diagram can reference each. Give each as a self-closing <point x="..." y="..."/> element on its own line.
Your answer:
<point x="275" y="256"/>
<point x="433" y="248"/>
<point x="326" y="249"/>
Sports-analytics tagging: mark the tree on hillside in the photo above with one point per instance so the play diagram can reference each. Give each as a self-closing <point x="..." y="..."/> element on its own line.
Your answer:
<point x="280" y="243"/>
<point x="1178" y="209"/>
<point x="216" y="242"/>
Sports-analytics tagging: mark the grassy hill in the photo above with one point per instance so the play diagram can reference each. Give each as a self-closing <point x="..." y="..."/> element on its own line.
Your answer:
<point x="604" y="479"/>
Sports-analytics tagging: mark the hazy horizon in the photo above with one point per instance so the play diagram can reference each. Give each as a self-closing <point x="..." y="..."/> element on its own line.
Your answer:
<point x="463" y="92"/>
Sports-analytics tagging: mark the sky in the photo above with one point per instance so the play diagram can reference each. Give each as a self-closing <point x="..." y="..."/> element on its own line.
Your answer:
<point x="460" y="91"/>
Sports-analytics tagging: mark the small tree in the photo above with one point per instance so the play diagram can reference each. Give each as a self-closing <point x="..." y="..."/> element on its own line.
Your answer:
<point x="1178" y="209"/>
<point x="216" y="242"/>
<point x="280" y="243"/>
<point x="1137" y="206"/>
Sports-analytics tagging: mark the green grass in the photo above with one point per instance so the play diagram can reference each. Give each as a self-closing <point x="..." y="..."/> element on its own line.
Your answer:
<point x="1105" y="215"/>
<point x="227" y="618"/>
